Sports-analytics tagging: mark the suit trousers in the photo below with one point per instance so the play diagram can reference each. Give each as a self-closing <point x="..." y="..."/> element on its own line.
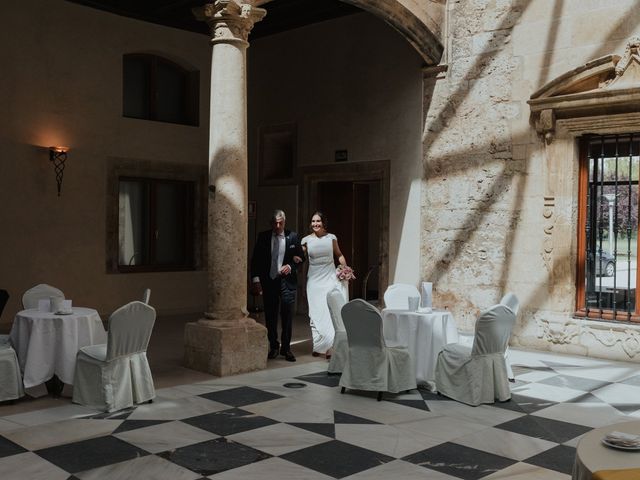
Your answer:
<point x="278" y="296"/>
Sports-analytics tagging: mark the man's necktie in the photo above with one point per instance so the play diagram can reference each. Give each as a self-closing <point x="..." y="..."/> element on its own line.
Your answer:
<point x="275" y="251"/>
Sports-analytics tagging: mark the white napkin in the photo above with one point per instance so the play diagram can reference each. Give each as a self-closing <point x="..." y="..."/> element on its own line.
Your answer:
<point x="427" y="294"/>
<point x="623" y="439"/>
<point x="44" y="305"/>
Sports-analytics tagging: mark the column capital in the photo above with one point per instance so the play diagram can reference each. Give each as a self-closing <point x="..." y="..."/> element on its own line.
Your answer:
<point x="230" y="21"/>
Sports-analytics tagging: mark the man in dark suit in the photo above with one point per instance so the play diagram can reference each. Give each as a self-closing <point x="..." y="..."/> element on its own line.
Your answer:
<point x="276" y="255"/>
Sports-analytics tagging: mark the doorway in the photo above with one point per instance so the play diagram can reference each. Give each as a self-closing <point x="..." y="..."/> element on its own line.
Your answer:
<point x="355" y="200"/>
<point x="353" y="210"/>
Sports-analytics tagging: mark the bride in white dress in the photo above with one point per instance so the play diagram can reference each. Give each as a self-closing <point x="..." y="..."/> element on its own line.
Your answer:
<point x="320" y="248"/>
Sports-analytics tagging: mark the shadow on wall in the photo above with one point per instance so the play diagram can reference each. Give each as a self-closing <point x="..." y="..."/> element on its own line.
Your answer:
<point x="441" y="167"/>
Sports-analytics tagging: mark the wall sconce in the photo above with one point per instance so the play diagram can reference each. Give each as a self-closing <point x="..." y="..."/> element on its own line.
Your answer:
<point x="58" y="155"/>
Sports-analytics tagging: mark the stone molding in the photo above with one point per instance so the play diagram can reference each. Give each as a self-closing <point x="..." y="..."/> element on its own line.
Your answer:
<point x="602" y="88"/>
<point x="628" y="339"/>
<point x="547" y="247"/>
<point x="630" y="54"/>
<point x="144" y="168"/>
<point x="615" y="340"/>
<point x="420" y="22"/>
<point x="230" y="21"/>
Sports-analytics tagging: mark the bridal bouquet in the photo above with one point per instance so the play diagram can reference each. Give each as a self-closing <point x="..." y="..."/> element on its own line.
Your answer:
<point x="345" y="273"/>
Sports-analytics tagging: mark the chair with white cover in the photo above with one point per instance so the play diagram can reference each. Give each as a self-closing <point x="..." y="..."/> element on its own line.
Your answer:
<point x="397" y="295"/>
<point x="510" y="300"/>
<point x="335" y="301"/>
<point x="10" y="379"/>
<point x="41" y="291"/>
<point x="146" y="296"/>
<point x="116" y="375"/>
<point x="478" y="374"/>
<point x="371" y="365"/>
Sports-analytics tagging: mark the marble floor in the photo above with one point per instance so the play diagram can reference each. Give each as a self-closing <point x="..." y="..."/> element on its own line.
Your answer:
<point x="291" y="421"/>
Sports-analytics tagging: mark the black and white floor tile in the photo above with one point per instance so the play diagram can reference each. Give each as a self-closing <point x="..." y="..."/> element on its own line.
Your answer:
<point x="254" y="426"/>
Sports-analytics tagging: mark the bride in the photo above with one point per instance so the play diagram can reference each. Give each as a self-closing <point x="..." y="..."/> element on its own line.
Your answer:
<point x="320" y="248"/>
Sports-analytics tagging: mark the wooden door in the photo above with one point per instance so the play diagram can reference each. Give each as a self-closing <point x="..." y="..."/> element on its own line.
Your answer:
<point x="346" y="206"/>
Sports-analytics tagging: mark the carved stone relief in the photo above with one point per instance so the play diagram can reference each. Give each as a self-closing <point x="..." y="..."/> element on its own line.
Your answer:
<point x="547" y="244"/>
<point x="628" y="339"/>
<point x="558" y="333"/>
<point x="607" y="84"/>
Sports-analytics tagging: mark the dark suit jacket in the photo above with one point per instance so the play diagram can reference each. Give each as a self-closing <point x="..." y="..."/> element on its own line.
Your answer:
<point x="261" y="258"/>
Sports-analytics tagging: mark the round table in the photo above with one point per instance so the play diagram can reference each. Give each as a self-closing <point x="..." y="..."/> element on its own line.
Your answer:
<point x="592" y="455"/>
<point x="424" y="335"/>
<point x="47" y="343"/>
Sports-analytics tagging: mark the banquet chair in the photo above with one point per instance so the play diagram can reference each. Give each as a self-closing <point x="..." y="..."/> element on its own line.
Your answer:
<point x="335" y="301"/>
<point x="39" y="292"/>
<point x="478" y="374"/>
<point x="371" y="365"/>
<point x="116" y="375"/>
<point x="510" y="300"/>
<point x="146" y="296"/>
<point x="397" y="295"/>
<point x="11" y="386"/>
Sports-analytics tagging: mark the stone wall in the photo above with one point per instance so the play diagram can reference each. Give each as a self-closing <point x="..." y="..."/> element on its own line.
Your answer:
<point x="498" y="214"/>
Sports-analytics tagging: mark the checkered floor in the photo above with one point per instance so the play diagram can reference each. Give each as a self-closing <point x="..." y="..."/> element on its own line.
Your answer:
<point x="260" y="426"/>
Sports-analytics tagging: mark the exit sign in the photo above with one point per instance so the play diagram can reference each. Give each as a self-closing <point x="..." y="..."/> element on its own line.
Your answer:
<point x="341" y="156"/>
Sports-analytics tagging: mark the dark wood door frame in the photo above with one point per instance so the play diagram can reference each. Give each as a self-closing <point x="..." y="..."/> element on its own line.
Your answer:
<point x="379" y="170"/>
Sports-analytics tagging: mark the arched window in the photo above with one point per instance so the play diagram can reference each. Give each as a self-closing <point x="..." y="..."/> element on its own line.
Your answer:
<point x="155" y="88"/>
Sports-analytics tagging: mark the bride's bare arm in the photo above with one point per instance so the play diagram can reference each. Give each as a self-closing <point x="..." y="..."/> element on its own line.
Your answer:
<point x="336" y="251"/>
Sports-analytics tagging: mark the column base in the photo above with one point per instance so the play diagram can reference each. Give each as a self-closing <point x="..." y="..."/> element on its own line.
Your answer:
<point x="225" y="348"/>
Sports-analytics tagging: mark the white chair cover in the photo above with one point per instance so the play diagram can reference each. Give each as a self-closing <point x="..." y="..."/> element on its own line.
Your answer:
<point x="146" y="296"/>
<point x="10" y="378"/>
<point x="371" y="365"/>
<point x="397" y="295"/>
<point x="510" y="300"/>
<point x="116" y="375"/>
<point x="479" y="374"/>
<point x="335" y="301"/>
<point x="39" y="292"/>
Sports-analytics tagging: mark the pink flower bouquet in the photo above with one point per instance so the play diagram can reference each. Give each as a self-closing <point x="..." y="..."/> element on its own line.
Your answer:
<point x="345" y="273"/>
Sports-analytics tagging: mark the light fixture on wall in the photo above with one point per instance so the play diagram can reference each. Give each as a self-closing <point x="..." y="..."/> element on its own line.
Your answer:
<point x="58" y="155"/>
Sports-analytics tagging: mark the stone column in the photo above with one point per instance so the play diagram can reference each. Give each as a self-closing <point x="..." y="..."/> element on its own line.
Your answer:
<point x="227" y="341"/>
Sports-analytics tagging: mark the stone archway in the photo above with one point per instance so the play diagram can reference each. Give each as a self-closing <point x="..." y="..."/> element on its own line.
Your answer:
<point x="419" y="21"/>
<point x="226" y="342"/>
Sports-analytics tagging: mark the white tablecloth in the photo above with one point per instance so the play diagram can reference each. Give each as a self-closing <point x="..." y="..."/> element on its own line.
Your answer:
<point x="47" y="343"/>
<point x="424" y="334"/>
<point x="592" y="455"/>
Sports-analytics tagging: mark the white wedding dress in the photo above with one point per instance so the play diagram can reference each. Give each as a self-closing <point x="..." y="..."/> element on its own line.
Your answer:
<point x="321" y="279"/>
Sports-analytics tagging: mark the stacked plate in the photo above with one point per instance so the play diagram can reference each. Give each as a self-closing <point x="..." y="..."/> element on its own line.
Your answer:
<point x="623" y="441"/>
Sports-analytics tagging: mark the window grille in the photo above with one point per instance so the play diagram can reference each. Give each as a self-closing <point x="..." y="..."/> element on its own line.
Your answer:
<point x="609" y="227"/>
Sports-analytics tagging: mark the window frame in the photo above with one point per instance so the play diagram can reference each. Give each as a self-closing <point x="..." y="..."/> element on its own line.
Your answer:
<point x="151" y="234"/>
<point x="581" y="309"/>
<point x="119" y="168"/>
<point x="191" y="91"/>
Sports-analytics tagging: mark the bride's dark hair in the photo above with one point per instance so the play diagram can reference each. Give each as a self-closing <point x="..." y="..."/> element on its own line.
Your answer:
<point x="323" y="219"/>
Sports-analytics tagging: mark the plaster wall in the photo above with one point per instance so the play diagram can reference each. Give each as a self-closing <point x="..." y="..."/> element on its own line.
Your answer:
<point x="62" y="86"/>
<point x="349" y="84"/>
<point x="487" y="226"/>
